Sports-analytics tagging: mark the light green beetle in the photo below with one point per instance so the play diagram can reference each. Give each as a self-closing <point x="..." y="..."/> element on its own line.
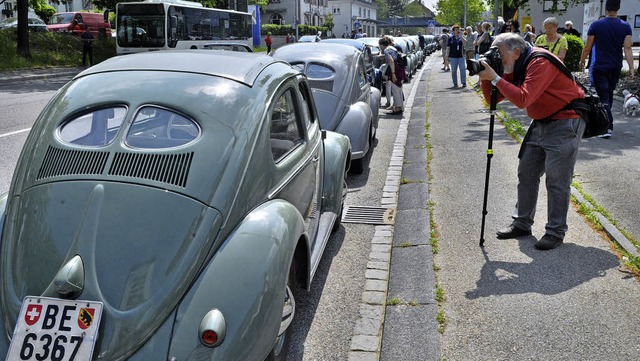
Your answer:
<point x="163" y="208"/>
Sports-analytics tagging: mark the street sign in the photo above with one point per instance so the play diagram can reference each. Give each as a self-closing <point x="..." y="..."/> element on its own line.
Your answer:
<point x="356" y="25"/>
<point x="431" y="24"/>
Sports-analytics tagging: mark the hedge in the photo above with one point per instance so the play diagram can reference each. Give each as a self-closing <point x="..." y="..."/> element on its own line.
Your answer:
<point x="275" y="29"/>
<point x="572" y="59"/>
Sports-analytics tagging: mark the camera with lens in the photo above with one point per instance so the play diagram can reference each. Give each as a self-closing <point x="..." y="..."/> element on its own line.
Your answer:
<point x="491" y="57"/>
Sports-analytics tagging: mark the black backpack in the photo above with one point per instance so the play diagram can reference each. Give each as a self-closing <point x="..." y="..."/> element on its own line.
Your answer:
<point x="402" y="60"/>
<point x="590" y="108"/>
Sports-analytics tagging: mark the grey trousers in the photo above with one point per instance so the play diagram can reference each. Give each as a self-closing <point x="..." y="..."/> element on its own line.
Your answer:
<point x="549" y="147"/>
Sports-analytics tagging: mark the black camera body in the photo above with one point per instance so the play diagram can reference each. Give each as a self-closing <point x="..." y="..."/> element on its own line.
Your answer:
<point x="491" y="57"/>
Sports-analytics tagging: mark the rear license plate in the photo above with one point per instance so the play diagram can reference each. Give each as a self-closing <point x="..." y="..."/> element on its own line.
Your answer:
<point x="51" y="329"/>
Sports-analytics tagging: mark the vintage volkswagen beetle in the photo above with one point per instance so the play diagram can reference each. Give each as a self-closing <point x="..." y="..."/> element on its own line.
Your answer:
<point x="170" y="215"/>
<point x="345" y="100"/>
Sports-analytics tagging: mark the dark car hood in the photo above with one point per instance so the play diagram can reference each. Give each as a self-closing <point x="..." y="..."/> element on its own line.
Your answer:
<point x="141" y="248"/>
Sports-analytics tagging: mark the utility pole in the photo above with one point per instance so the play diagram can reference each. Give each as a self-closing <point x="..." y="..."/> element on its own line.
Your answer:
<point x="496" y="13"/>
<point x="464" y="25"/>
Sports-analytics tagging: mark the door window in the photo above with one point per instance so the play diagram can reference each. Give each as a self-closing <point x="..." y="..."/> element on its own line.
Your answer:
<point x="284" y="128"/>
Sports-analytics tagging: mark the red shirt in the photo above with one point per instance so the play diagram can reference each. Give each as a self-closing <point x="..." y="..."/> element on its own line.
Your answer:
<point x="544" y="91"/>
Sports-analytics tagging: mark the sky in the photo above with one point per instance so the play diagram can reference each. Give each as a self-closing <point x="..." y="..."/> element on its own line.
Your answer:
<point x="431" y="4"/>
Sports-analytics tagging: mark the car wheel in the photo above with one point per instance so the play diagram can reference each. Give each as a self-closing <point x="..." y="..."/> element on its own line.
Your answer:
<point x="281" y="346"/>
<point x="357" y="166"/>
<point x="338" y="221"/>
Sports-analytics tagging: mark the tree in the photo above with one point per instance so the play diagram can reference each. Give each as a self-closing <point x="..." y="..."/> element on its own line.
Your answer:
<point x="328" y="22"/>
<point x="22" y="45"/>
<point x="452" y="11"/>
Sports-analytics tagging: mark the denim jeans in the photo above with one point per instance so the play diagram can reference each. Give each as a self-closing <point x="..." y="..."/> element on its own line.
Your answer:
<point x="605" y="83"/>
<point x="458" y="63"/>
<point x="549" y="147"/>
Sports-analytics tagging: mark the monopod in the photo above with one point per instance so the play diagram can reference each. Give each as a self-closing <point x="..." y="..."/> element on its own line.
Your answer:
<point x="492" y="111"/>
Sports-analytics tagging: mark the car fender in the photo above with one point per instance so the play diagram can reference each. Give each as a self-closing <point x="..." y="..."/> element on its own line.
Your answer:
<point x="355" y="124"/>
<point x="376" y="97"/>
<point x="252" y="265"/>
<point x="337" y="157"/>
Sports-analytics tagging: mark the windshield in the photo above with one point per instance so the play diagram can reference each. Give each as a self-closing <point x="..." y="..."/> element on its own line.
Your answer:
<point x="61" y="19"/>
<point x="140" y="25"/>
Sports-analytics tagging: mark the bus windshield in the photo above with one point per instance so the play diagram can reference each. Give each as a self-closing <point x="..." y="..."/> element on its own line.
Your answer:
<point x="141" y="26"/>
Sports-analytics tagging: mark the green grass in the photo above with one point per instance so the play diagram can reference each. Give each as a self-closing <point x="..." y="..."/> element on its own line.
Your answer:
<point x="50" y="49"/>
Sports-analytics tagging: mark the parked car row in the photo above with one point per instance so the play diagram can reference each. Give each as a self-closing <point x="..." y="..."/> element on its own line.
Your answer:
<point x="35" y="24"/>
<point x="175" y="216"/>
<point x="67" y="22"/>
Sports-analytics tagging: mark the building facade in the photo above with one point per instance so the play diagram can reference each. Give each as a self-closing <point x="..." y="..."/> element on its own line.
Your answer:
<point x="580" y="15"/>
<point x="286" y="12"/>
<point x="349" y="16"/>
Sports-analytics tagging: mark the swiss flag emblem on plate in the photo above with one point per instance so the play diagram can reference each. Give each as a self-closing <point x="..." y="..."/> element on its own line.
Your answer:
<point x="33" y="314"/>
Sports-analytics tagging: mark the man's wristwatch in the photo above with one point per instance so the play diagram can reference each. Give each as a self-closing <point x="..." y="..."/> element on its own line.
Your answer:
<point x="496" y="80"/>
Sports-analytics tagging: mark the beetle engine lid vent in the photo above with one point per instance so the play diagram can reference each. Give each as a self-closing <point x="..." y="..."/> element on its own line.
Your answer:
<point x="60" y="162"/>
<point x="369" y="215"/>
<point x="165" y="168"/>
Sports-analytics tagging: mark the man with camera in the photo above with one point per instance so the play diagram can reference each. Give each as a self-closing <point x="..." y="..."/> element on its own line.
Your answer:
<point x="551" y="143"/>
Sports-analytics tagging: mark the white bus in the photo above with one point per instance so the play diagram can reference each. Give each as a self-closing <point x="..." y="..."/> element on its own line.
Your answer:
<point x="176" y="24"/>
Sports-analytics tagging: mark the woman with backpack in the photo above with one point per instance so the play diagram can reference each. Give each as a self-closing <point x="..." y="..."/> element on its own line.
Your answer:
<point x="395" y="73"/>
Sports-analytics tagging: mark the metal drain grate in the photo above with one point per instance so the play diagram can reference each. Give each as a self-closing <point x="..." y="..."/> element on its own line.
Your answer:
<point x="369" y="215"/>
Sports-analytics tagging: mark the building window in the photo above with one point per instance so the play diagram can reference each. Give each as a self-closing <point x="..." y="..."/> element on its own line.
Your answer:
<point x="636" y="23"/>
<point x="274" y="1"/>
<point x="276" y="19"/>
<point x="336" y="10"/>
<point x="359" y="11"/>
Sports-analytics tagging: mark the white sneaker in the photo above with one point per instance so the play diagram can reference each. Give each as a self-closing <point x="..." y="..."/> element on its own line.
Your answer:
<point x="607" y="135"/>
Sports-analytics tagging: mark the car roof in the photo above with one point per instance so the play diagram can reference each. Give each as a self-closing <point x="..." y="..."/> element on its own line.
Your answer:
<point x="237" y="66"/>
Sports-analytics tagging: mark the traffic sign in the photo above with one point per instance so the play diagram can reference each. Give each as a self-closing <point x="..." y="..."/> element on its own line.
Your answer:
<point x="431" y="24"/>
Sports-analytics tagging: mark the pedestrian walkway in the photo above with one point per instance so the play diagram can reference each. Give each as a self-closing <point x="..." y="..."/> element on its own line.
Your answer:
<point x="506" y="301"/>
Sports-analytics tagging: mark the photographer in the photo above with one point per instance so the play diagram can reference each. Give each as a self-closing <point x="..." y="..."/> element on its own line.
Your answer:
<point x="551" y="143"/>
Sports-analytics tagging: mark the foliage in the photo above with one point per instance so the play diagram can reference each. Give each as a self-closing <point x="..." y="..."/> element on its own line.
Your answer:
<point x="452" y="11"/>
<point x="50" y="49"/>
<point x="383" y="10"/>
<point x="276" y="29"/>
<point x="572" y="59"/>
<point x="328" y="22"/>
<point x="396" y="7"/>
<point x="42" y="9"/>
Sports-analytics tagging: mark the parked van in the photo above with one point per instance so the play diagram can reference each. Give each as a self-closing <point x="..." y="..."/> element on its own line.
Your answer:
<point x="76" y="22"/>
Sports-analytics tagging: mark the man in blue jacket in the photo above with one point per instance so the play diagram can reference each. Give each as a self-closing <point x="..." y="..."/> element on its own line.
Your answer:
<point x="609" y="34"/>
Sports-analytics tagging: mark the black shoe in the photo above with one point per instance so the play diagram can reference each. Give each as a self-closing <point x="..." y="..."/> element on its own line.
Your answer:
<point x="512" y="232"/>
<point x="548" y="242"/>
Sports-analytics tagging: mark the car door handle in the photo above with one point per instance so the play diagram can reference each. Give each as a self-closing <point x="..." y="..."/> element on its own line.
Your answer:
<point x="315" y="159"/>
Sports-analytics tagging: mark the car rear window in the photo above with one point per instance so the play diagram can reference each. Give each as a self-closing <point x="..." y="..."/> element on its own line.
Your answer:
<point x="320" y="76"/>
<point x="97" y="128"/>
<point x="156" y="128"/>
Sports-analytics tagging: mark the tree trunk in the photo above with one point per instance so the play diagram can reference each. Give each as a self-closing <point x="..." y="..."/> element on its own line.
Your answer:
<point x="23" y="29"/>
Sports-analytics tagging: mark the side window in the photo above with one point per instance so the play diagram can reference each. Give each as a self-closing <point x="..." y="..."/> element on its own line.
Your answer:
<point x="307" y="103"/>
<point x="361" y="75"/>
<point x="95" y="129"/>
<point x="284" y="128"/>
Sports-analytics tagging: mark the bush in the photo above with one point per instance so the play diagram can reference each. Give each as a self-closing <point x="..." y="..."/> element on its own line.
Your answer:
<point x="572" y="59"/>
<point x="50" y="49"/>
<point x="275" y="29"/>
